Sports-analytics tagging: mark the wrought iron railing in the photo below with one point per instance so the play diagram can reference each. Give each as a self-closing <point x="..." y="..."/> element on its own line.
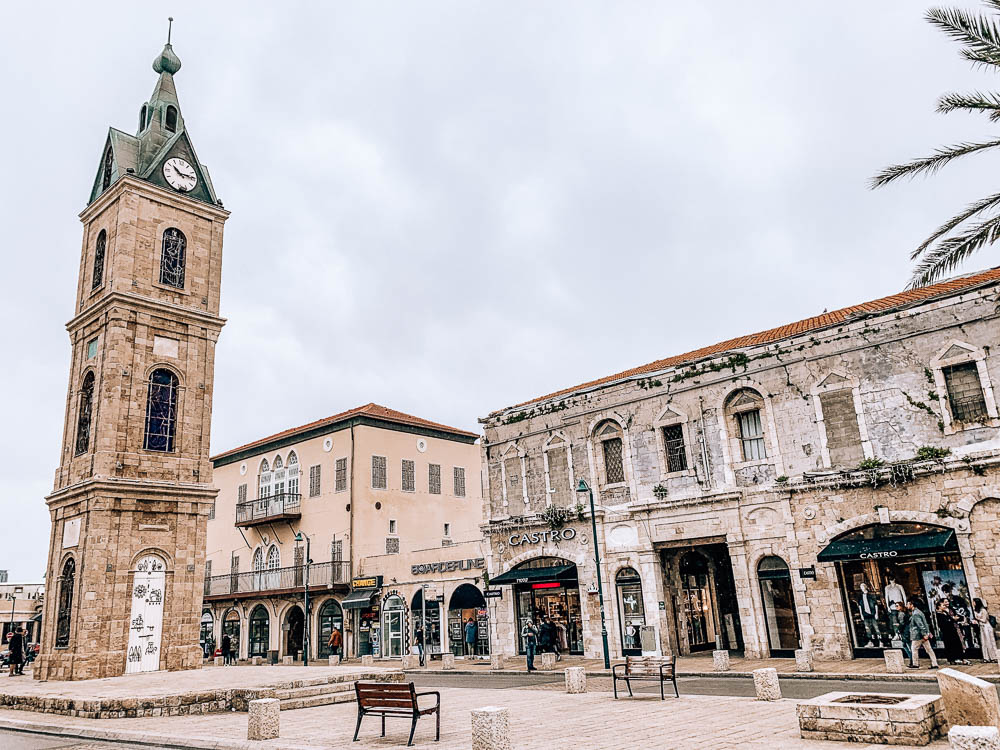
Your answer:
<point x="268" y="507"/>
<point x="320" y="575"/>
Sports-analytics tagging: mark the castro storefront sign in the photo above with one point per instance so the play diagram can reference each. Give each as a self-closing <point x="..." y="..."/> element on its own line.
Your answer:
<point x="876" y="555"/>
<point x="540" y="537"/>
<point x="447" y="567"/>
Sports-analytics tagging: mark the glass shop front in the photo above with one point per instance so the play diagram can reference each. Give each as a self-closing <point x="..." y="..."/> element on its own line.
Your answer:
<point x="883" y="566"/>
<point x="547" y="588"/>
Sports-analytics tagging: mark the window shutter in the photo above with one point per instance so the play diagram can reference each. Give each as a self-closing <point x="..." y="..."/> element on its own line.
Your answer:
<point x="434" y="479"/>
<point x="314" y="480"/>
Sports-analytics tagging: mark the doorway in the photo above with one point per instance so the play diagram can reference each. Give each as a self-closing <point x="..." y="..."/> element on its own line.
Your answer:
<point x="779" y="606"/>
<point x="631" y="610"/>
<point x="294" y="622"/>
<point x="392" y="628"/>
<point x="696" y="602"/>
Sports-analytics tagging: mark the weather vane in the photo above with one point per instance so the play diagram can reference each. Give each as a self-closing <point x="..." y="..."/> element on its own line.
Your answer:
<point x="170" y="26"/>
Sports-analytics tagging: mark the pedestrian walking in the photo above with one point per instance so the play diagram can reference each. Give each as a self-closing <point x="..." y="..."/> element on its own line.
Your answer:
<point x="418" y="636"/>
<point x="920" y="636"/>
<point x="227" y="643"/>
<point x="987" y="635"/>
<point x="529" y="636"/>
<point x="899" y="620"/>
<point x="471" y="632"/>
<point x="545" y="636"/>
<point x="336" y="642"/>
<point x="16" y="658"/>
<point x="948" y="623"/>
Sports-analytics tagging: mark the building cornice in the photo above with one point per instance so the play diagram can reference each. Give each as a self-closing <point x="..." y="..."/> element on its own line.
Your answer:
<point x="154" y="192"/>
<point x="143" y="489"/>
<point x="147" y="304"/>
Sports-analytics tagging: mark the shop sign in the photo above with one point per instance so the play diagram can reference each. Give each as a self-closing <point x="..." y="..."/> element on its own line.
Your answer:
<point x="541" y="537"/>
<point x="370" y="582"/>
<point x="447" y="567"/>
<point x="663" y="606"/>
<point x="493" y="593"/>
<point x="876" y="555"/>
<point x="809" y="572"/>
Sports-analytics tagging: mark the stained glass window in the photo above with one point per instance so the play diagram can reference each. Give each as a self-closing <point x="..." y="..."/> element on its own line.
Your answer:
<point x="99" y="251"/>
<point x="65" y="613"/>
<point x="172" y="258"/>
<point x="161" y="412"/>
<point x="85" y="411"/>
<point x="108" y="163"/>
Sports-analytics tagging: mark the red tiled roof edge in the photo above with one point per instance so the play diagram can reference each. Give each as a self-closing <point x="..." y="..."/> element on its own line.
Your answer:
<point x="825" y="320"/>
<point x="376" y="411"/>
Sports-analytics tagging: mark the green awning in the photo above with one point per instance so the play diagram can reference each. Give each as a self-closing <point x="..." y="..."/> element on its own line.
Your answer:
<point x="532" y="575"/>
<point x="358" y="600"/>
<point x="888" y="547"/>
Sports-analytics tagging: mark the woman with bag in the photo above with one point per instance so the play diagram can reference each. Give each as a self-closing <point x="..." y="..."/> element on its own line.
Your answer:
<point x="987" y="635"/>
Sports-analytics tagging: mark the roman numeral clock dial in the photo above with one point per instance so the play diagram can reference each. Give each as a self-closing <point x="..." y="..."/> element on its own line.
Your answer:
<point x="179" y="175"/>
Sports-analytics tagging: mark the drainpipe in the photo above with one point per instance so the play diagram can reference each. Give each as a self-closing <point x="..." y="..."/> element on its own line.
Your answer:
<point x="356" y="616"/>
<point x="704" y="445"/>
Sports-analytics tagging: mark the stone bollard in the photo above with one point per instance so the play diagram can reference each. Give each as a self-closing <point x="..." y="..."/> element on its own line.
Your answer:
<point x="448" y="661"/>
<point x="490" y="728"/>
<point x="411" y="661"/>
<point x="803" y="660"/>
<point x="219" y="661"/>
<point x="334" y="661"/>
<point x="287" y="660"/>
<point x="367" y="660"/>
<point x="545" y="661"/>
<point x="974" y="738"/>
<point x="720" y="661"/>
<point x="257" y="660"/>
<point x="765" y="684"/>
<point x="576" y="680"/>
<point x="263" y="718"/>
<point x="894" y="661"/>
<point x="496" y="662"/>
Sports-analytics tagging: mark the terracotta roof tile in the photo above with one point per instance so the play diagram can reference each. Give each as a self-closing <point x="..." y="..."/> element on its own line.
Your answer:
<point x="818" y="322"/>
<point x="368" y="410"/>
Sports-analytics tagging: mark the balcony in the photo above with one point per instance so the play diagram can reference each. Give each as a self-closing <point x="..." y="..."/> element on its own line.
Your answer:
<point x="283" y="506"/>
<point x="322" y="577"/>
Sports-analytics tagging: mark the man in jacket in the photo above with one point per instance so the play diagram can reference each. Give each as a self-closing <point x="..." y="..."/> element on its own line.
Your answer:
<point x="16" y="646"/>
<point x="529" y="636"/>
<point x="920" y="637"/>
<point x="336" y="642"/>
<point x="227" y="645"/>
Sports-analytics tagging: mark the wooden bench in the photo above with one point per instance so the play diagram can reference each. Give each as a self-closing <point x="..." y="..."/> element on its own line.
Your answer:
<point x="394" y="699"/>
<point x="646" y="668"/>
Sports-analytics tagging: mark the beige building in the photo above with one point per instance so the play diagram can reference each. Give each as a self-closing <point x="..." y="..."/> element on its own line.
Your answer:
<point x="772" y="492"/>
<point x="21" y="606"/>
<point x="391" y="505"/>
<point x="133" y="489"/>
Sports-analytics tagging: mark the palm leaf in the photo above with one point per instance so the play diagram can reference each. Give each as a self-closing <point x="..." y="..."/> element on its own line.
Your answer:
<point x="952" y="251"/>
<point x="930" y="164"/>
<point x="974" y="102"/>
<point x="980" y="35"/>
<point x="973" y="209"/>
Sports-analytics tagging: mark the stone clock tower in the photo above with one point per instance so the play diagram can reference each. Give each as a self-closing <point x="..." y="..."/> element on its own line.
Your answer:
<point x="133" y="490"/>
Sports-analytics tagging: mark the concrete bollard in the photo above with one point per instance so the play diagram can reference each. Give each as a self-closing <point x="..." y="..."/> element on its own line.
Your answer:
<point x="720" y="661"/>
<point x="448" y="661"/>
<point x="545" y="661"/>
<point x="894" y="661"/>
<point x="496" y="662"/>
<point x="803" y="660"/>
<point x="576" y="680"/>
<point x="490" y="728"/>
<point x="411" y="661"/>
<point x="257" y="661"/>
<point x="263" y="718"/>
<point x="367" y="660"/>
<point x="287" y="660"/>
<point x="219" y="661"/>
<point x="974" y="738"/>
<point x="334" y="660"/>
<point x="765" y="684"/>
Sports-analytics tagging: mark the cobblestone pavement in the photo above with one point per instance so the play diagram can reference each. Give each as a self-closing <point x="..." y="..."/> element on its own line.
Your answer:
<point x="553" y="721"/>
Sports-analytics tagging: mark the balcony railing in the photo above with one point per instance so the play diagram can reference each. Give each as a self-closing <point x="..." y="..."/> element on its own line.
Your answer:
<point x="321" y="576"/>
<point x="274" y="507"/>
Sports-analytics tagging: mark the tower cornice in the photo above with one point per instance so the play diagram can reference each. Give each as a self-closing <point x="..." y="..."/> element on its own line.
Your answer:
<point x="153" y="192"/>
<point x="134" y="301"/>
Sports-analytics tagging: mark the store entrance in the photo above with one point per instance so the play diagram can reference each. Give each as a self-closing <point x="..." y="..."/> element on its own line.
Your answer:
<point x="392" y="627"/>
<point x="468" y="622"/>
<point x="432" y="625"/>
<point x="546" y="590"/>
<point x="882" y="567"/>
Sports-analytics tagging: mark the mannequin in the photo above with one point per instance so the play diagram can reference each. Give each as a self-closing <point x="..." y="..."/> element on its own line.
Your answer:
<point x="894" y="592"/>
<point x="868" y="605"/>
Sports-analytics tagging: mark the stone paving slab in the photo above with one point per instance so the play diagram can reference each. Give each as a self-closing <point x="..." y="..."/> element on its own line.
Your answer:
<point x="559" y="722"/>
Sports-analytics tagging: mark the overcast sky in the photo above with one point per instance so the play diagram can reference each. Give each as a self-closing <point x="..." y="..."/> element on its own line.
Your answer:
<point x="450" y="207"/>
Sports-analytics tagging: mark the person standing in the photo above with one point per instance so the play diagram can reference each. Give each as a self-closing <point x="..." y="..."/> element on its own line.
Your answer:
<point x="336" y="642"/>
<point x="16" y="646"/>
<point x="471" y="631"/>
<point x="987" y="635"/>
<point x="227" y="645"/>
<point x="899" y="619"/>
<point x="529" y="636"/>
<point x="920" y="636"/>
<point x="950" y="634"/>
<point x="418" y="636"/>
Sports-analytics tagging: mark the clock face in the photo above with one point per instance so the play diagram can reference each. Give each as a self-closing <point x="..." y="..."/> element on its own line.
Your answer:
<point x="179" y="174"/>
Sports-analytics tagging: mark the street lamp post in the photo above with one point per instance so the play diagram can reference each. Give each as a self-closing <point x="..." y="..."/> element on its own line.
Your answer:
<point x="305" y="620"/>
<point x="581" y="488"/>
<point x="423" y="622"/>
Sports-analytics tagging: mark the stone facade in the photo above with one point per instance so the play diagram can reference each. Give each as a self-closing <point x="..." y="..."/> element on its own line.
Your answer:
<point x="719" y="476"/>
<point x="133" y="492"/>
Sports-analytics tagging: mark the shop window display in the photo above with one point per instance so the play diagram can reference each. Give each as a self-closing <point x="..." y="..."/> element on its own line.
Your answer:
<point x="631" y="610"/>
<point x="555" y="598"/>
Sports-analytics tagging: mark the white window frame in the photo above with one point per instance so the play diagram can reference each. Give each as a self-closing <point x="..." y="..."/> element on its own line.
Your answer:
<point x="730" y="441"/>
<point x="969" y="354"/>
<point x="504" y="458"/>
<point x="557" y="441"/>
<point x="839" y="380"/>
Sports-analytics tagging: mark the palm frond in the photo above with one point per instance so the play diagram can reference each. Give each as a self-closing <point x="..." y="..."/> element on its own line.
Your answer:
<point x="981" y="58"/>
<point x="979" y="34"/>
<point x="972" y="210"/>
<point x="974" y="102"/>
<point x="930" y="164"/>
<point x="951" y="252"/>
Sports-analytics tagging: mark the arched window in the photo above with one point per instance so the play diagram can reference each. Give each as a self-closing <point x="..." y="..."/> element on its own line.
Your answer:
<point x="264" y="480"/>
<point x="609" y="436"/>
<point x="108" y="163"/>
<point x="161" y="412"/>
<point x="779" y="606"/>
<point x="631" y="610"/>
<point x="293" y="474"/>
<point x="65" y="613"/>
<point x="142" y="118"/>
<point x="744" y="415"/>
<point x="260" y="627"/>
<point x="172" y="258"/>
<point x="99" y="250"/>
<point x="84" y="413"/>
<point x="273" y="558"/>
<point x="170" y="121"/>
<point x="279" y="476"/>
<point x="258" y="560"/>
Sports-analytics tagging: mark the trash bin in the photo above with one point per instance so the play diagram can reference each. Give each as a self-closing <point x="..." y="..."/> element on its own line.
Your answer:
<point x="272" y="657"/>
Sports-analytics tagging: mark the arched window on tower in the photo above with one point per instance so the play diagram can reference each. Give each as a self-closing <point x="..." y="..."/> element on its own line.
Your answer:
<point x="84" y="414"/>
<point x="172" y="258"/>
<point x="100" y="249"/>
<point x="64" y="615"/>
<point x="161" y="412"/>
<point x="170" y="121"/>
<point x="142" y="118"/>
<point x="108" y="163"/>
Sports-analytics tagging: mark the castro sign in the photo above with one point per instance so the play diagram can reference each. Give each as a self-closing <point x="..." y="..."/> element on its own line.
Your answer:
<point x="540" y="537"/>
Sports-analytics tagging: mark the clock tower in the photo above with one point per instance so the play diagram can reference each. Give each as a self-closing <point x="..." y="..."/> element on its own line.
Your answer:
<point x="133" y="490"/>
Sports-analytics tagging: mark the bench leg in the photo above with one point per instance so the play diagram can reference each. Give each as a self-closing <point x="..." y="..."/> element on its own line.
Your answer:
<point x="383" y="725"/>
<point x="437" y="729"/>
<point x="662" y="696"/>
<point x="614" y="682"/>
<point x="358" y="727"/>
<point x="628" y="684"/>
<point x="676" y="694"/>
<point x="413" y="728"/>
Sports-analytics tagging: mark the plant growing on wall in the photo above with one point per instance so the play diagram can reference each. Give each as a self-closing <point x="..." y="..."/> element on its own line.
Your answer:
<point x="932" y="453"/>
<point x="555" y="517"/>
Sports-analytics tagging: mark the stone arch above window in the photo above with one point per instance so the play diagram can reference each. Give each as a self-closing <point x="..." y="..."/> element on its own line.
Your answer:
<point x="673" y="441"/>
<point x="964" y="387"/>
<point x="843" y="432"/>
<point x="609" y="444"/>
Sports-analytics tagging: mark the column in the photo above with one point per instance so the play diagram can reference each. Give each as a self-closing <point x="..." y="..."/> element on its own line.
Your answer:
<point x="653" y="592"/>
<point x="753" y="645"/>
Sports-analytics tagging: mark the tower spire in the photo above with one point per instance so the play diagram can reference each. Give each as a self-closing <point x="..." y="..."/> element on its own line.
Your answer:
<point x="170" y="27"/>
